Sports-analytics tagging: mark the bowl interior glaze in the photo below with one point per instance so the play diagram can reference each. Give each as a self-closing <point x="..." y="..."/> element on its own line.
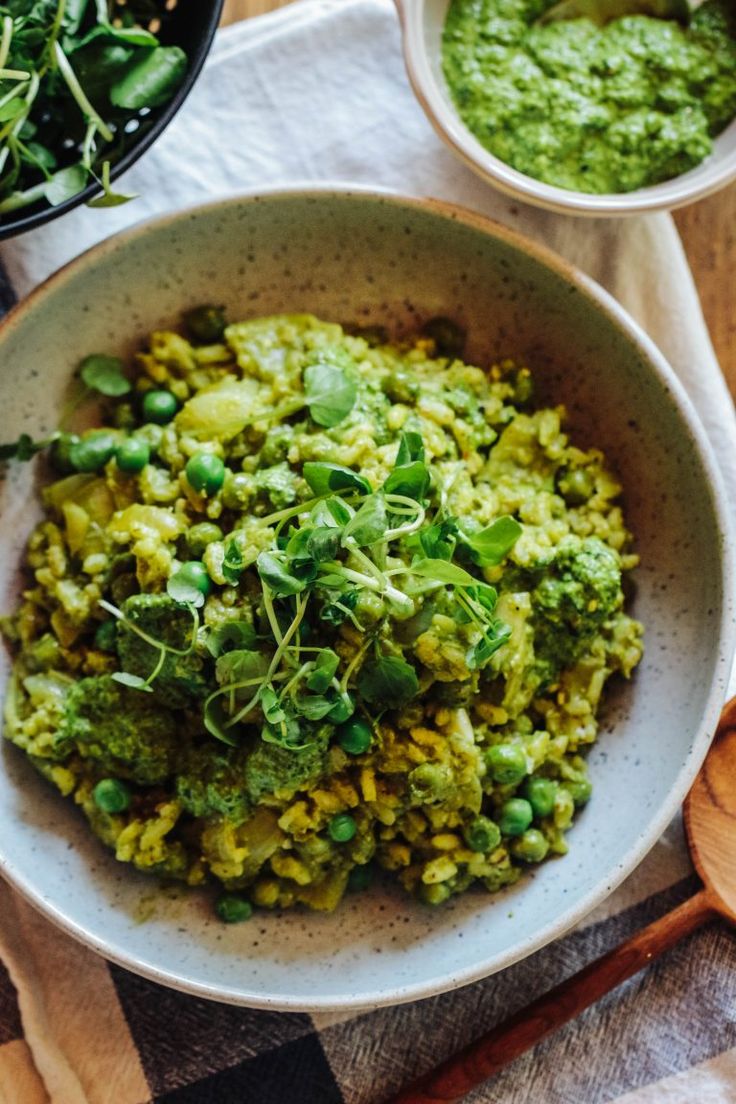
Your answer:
<point x="369" y="258"/>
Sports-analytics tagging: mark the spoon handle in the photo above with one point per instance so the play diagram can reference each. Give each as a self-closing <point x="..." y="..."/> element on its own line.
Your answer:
<point x="463" y="1071"/>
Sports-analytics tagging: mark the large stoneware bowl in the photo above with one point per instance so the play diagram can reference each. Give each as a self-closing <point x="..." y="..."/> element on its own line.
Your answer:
<point x="367" y="258"/>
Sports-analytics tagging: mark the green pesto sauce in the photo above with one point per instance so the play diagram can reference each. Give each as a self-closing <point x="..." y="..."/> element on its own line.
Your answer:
<point x="589" y="108"/>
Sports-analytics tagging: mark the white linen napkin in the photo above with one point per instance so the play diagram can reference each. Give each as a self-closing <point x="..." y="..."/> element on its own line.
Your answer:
<point x="317" y="92"/>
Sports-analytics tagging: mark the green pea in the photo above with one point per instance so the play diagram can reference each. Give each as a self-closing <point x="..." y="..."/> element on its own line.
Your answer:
<point x="60" y="453"/>
<point x="200" y="535"/>
<point x="206" y="323"/>
<point x="159" y="407"/>
<point x="360" y="878"/>
<point x="530" y="846"/>
<point x="579" y="791"/>
<point x="516" y="816"/>
<point x="429" y="782"/>
<point x="448" y="337"/>
<point x="233" y="909"/>
<point x="523" y="386"/>
<point x="540" y="793"/>
<point x="482" y="834"/>
<point x="342" y="828"/>
<point x="400" y="387"/>
<point x="111" y="796"/>
<point x="106" y="636"/>
<point x="132" y="454"/>
<point x="506" y="763"/>
<point x="92" y="452"/>
<point x="576" y="486"/>
<point x="195" y="574"/>
<point x="205" y="472"/>
<point x="355" y="736"/>
<point x="435" y="894"/>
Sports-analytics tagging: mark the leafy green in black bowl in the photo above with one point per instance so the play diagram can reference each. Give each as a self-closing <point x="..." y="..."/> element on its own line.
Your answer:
<point x="85" y="87"/>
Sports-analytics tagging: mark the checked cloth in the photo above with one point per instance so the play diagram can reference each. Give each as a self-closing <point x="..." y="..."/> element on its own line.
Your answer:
<point x="317" y="92"/>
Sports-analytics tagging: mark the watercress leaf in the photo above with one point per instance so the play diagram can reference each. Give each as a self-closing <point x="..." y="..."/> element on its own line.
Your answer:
<point x="323" y="478"/>
<point x="112" y="199"/>
<point x="182" y="591"/>
<point x="338" y="608"/>
<point x="442" y="572"/>
<point x="369" y="523"/>
<point x="325" y="666"/>
<point x="73" y="15"/>
<point x="106" y="33"/>
<point x="275" y="572"/>
<point x="42" y="155"/>
<point x="332" y="582"/>
<point x="270" y="704"/>
<point x="297" y="546"/>
<point x="152" y="78"/>
<point x="135" y="682"/>
<point x="240" y="665"/>
<point x="313" y="706"/>
<point x="215" y="720"/>
<point x="496" y="636"/>
<point x="343" y="707"/>
<point x="411" y="448"/>
<point x="287" y="735"/>
<point x="12" y="108"/>
<point x="330" y="394"/>
<point x="489" y="546"/>
<point x="389" y="681"/>
<point x="437" y="541"/>
<point x="229" y="636"/>
<point x="131" y="36"/>
<point x="323" y="543"/>
<point x="332" y="512"/>
<point x="65" y="183"/>
<point x="484" y="594"/>
<point x="410" y="480"/>
<point x="233" y="563"/>
<point x="104" y="374"/>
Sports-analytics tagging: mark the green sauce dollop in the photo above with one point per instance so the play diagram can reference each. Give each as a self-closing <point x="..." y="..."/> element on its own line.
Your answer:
<point x="589" y="108"/>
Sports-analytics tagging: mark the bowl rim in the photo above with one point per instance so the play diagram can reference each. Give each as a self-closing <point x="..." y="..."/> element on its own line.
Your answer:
<point x="13" y="228"/>
<point x="665" y="196"/>
<point x="616" y="314"/>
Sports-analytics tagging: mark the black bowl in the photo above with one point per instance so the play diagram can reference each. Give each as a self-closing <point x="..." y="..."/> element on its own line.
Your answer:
<point x="191" y="25"/>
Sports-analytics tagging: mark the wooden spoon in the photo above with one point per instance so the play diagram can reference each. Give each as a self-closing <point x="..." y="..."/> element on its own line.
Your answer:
<point x="710" y="823"/>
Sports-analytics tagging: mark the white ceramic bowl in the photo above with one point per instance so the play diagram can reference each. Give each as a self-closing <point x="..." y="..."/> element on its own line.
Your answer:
<point x="422" y="22"/>
<point x="377" y="258"/>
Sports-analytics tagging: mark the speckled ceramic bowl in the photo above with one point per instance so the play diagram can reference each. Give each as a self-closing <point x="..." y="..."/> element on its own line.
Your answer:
<point x="422" y="23"/>
<point x="377" y="258"/>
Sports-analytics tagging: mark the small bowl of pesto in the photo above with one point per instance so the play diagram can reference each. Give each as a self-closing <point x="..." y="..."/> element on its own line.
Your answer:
<point x="577" y="116"/>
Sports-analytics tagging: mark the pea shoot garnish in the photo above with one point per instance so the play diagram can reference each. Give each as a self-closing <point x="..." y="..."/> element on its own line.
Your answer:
<point x="75" y="76"/>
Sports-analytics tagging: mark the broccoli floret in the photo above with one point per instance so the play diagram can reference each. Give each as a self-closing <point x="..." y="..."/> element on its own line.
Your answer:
<point x="128" y="734"/>
<point x="578" y="591"/>
<point x="279" y="483"/>
<point x="180" y="679"/>
<point x="277" y="444"/>
<point x="213" y="784"/>
<point x="270" y="768"/>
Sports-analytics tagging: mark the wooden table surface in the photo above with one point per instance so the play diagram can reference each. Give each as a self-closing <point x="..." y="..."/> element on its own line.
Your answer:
<point x="708" y="231"/>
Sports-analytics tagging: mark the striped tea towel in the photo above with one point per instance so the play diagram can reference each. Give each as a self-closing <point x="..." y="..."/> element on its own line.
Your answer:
<point x="314" y="92"/>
